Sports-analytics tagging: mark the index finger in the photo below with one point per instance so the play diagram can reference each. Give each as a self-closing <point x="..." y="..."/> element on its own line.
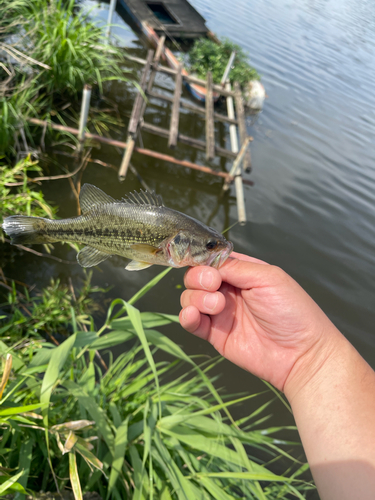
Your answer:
<point x="203" y="278"/>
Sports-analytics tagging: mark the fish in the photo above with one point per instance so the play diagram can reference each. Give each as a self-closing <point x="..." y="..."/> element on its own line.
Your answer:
<point x="138" y="227"/>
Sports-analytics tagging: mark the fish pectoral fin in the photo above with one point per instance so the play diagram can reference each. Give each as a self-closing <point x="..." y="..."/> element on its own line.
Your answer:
<point x="136" y="265"/>
<point x="90" y="196"/>
<point x="145" y="248"/>
<point x="89" y="257"/>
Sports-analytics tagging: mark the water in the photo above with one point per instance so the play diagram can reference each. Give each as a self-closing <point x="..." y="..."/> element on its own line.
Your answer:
<point x="312" y="207"/>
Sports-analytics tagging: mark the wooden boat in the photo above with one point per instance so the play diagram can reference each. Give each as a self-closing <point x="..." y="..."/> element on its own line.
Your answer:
<point x="142" y="18"/>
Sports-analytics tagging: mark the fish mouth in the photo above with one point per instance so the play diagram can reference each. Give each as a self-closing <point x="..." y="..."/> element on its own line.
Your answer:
<point x="219" y="259"/>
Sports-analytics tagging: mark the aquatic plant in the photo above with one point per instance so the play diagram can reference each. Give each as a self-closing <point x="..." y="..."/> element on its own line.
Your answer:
<point x="130" y="426"/>
<point x="207" y="55"/>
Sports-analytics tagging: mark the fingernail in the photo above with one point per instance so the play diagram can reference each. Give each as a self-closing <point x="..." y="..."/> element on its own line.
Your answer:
<point x="206" y="278"/>
<point x="210" y="300"/>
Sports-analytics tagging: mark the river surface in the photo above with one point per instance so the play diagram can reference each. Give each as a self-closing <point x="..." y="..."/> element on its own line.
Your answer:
<point x="311" y="209"/>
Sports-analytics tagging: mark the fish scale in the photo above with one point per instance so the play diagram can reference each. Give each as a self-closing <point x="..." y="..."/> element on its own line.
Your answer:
<point x="139" y="227"/>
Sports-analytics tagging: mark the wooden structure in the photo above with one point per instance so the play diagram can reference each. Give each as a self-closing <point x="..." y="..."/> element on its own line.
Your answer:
<point x="239" y="152"/>
<point x="136" y="123"/>
<point x="239" y="149"/>
<point x="176" y="17"/>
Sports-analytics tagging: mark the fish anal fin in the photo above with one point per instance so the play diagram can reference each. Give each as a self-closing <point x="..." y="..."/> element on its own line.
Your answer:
<point x="89" y="257"/>
<point x="145" y="248"/>
<point x="136" y="265"/>
<point x="90" y="196"/>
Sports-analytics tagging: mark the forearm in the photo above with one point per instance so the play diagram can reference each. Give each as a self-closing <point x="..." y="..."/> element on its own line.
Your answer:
<point x="334" y="408"/>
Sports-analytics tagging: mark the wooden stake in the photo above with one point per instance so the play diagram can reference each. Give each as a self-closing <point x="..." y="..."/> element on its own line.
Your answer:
<point x="155" y="62"/>
<point x="241" y="211"/>
<point x="240" y="110"/>
<point x="136" y="116"/>
<point x="210" y="126"/>
<point x="111" y="10"/>
<point x="235" y="170"/>
<point x="126" y="158"/>
<point x="84" y="113"/>
<point x="173" y="131"/>
<point x="227" y="69"/>
<point x="138" y="103"/>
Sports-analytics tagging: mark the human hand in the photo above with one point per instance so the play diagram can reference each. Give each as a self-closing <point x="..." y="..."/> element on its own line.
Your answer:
<point x="256" y="316"/>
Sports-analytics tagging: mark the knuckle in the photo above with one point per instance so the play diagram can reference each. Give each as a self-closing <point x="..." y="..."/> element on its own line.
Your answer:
<point x="277" y="274"/>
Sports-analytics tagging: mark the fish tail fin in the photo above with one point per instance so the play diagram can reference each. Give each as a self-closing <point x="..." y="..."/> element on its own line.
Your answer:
<point x="24" y="229"/>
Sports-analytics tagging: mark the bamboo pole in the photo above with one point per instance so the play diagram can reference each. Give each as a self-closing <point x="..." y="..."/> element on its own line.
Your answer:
<point x="227" y="69"/>
<point x="241" y="211"/>
<point x="173" y="130"/>
<point x="210" y="126"/>
<point x="235" y="170"/>
<point x="240" y="111"/>
<point x="111" y="10"/>
<point x="142" y="151"/>
<point x="138" y="103"/>
<point x="84" y="114"/>
<point x="155" y="62"/>
<point x="137" y="113"/>
<point x="126" y="158"/>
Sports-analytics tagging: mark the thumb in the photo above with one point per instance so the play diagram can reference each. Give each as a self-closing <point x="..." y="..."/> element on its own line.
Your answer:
<point x="246" y="274"/>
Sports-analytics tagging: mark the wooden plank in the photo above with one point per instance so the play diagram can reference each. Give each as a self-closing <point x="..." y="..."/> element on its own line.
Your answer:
<point x="242" y="124"/>
<point x="210" y="125"/>
<point x="136" y="114"/>
<point x="192" y="107"/>
<point x="173" y="130"/>
<point x="184" y="139"/>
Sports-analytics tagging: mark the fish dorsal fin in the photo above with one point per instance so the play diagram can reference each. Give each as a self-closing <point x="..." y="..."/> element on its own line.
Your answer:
<point x="91" y="196"/>
<point x="144" y="198"/>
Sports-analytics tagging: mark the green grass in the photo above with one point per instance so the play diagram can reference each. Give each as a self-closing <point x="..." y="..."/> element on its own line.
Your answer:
<point x="130" y="426"/>
<point x="54" y="50"/>
<point x="16" y="195"/>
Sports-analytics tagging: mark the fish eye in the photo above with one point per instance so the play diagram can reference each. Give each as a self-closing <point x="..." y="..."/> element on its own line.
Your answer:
<point x="211" y="244"/>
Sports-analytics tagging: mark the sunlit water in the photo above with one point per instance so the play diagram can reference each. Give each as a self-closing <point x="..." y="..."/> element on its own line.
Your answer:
<point x="312" y="207"/>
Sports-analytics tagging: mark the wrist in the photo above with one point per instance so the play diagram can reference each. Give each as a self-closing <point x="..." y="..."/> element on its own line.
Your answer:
<point x="310" y="369"/>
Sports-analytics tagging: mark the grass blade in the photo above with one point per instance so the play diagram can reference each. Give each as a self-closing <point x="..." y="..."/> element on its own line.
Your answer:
<point x="148" y="286"/>
<point x="121" y="441"/>
<point x="74" y="478"/>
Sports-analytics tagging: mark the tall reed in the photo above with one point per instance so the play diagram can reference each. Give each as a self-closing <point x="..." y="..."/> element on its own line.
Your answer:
<point x="128" y="426"/>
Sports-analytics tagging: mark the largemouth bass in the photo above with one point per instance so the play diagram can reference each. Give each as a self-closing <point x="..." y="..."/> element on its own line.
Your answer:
<point x="138" y="227"/>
